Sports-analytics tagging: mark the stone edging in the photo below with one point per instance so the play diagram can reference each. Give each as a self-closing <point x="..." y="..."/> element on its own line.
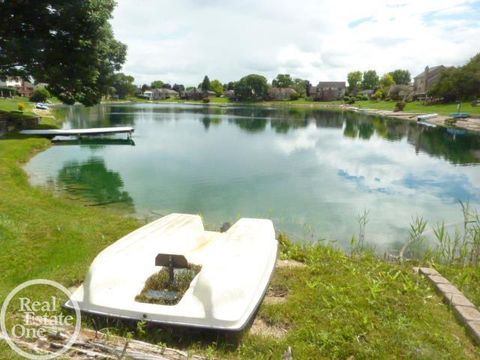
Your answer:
<point x="465" y="311"/>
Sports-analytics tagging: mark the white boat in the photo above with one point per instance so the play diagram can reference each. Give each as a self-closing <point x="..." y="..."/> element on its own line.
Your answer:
<point x="42" y="106"/>
<point x="426" y="117"/>
<point x="426" y="123"/>
<point x="236" y="267"/>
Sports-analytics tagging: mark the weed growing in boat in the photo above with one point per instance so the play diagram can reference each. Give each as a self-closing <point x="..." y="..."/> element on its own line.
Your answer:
<point x="159" y="290"/>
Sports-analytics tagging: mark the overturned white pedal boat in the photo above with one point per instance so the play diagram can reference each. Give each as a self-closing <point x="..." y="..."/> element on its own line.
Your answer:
<point x="236" y="267"/>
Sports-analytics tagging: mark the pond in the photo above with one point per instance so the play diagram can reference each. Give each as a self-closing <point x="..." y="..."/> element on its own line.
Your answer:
<point x="312" y="172"/>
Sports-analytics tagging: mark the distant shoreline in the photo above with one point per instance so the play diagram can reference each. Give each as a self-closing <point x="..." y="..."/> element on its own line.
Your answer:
<point x="470" y="124"/>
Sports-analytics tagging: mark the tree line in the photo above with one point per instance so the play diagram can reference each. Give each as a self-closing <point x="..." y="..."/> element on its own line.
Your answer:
<point x="70" y="46"/>
<point x="459" y="83"/>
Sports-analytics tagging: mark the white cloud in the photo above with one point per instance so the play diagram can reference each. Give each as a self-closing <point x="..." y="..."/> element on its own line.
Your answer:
<point x="182" y="40"/>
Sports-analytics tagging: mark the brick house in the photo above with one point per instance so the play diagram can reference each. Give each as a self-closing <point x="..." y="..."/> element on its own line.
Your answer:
<point x="328" y="90"/>
<point x="422" y="83"/>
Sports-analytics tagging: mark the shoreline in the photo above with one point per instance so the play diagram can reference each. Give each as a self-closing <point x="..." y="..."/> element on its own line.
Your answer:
<point x="471" y="124"/>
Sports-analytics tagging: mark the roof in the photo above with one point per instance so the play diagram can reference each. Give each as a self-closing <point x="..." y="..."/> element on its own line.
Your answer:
<point x="165" y="91"/>
<point x="337" y="84"/>
<point x="430" y="70"/>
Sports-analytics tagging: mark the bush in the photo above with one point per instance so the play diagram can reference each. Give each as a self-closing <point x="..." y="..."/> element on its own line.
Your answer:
<point x="40" y="94"/>
<point x="21" y="106"/>
<point x="379" y="94"/>
<point x="399" y="106"/>
<point x="349" y="100"/>
<point x="362" y="98"/>
<point x="205" y="100"/>
<point x="294" y="96"/>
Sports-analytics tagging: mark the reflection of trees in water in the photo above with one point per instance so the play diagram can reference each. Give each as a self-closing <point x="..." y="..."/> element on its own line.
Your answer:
<point x="434" y="141"/>
<point x="328" y="119"/>
<point x="207" y="121"/>
<point x="251" y="124"/>
<point x="438" y="142"/>
<point x="93" y="182"/>
<point x="461" y="149"/>
<point x="99" y="116"/>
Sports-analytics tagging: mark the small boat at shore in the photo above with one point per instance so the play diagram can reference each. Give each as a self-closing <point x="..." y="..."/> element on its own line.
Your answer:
<point x="230" y="272"/>
<point x="42" y="106"/>
<point x="427" y="124"/>
<point x="460" y="115"/>
<point x="426" y="117"/>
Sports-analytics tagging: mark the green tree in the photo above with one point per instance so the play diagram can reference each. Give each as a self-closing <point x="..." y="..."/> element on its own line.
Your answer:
<point x="67" y="44"/>
<point x="123" y="85"/>
<point x="178" y="88"/>
<point x="40" y="94"/>
<point x="230" y="85"/>
<point x="300" y="87"/>
<point x="401" y="77"/>
<point x="205" y="85"/>
<point x="157" y="84"/>
<point x="386" y="81"/>
<point x="252" y="87"/>
<point x="282" y="81"/>
<point x="469" y="79"/>
<point x="370" y="80"/>
<point x="354" y="81"/>
<point x="216" y="87"/>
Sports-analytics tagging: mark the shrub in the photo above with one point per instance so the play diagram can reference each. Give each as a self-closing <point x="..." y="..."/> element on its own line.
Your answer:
<point x="294" y="96"/>
<point x="21" y="106"/>
<point x="205" y="100"/>
<point x="349" y="100"/>
<point x="450" y="122"/>
<point x="40" y="94"/>
<point x="379" y="94"/>
<point x="399" y="106"/>
<point x="362" y="98"/>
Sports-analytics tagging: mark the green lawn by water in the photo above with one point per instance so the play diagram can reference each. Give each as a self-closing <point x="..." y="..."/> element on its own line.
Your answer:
<point x="337" y="306"/>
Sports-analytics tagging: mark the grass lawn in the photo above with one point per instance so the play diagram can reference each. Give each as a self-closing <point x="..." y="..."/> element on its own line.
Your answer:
<point x="12" y="104"/>
<point x="337" y="306"/>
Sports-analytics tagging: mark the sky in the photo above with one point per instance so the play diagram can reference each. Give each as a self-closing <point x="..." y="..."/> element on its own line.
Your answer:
<point x="180" y="41"/>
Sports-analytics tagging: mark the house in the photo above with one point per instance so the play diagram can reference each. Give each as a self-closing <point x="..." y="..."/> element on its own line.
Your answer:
<point x="229" y="94"/>
<point x="368" y="93"/>
<point x="25" y="89"/>
<point x="18" y="85"/>
<point x="162" y="94"/>
<point x="147" y="94"/>
<point x="276" y="93"/>
<point x="422" y="83"/>
<point x="328" y="90"/>
<point x="197" y="94"/>
<point x="13" y="81"/>
<point x="159" y="94"/>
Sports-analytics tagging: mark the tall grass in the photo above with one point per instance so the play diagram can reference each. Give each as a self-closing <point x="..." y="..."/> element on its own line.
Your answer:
<point x="462" y="246"/>
<point x="459" y="246"/>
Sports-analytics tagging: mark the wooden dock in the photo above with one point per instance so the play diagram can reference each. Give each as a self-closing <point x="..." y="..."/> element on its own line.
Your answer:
<point x="79" y="133"/>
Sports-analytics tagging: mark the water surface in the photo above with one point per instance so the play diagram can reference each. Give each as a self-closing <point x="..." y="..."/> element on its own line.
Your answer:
<point x="312" y="172"/>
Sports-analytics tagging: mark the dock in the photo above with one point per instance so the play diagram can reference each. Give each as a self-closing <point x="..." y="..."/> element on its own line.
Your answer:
<point x="79" y="133"/>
